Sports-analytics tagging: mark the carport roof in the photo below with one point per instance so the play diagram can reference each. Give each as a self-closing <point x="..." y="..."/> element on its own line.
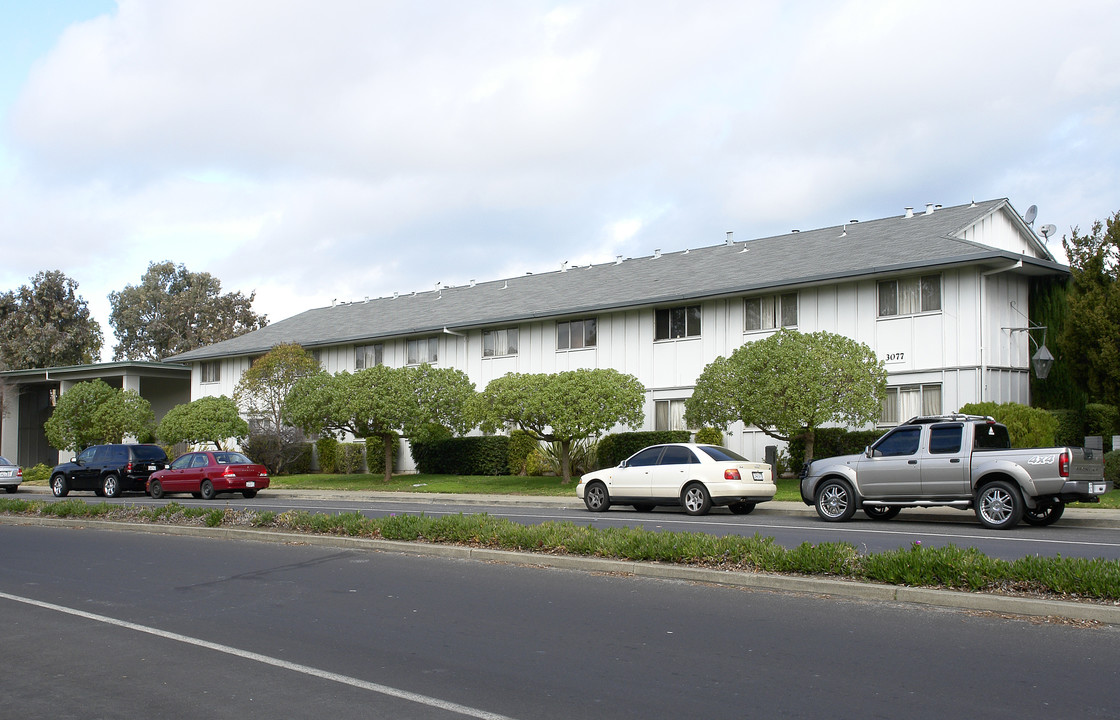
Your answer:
<point x="890" y="245"/>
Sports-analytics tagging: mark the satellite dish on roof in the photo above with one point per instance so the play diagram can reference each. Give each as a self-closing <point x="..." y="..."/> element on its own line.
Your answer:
<point x="1032" y="213"/>
<point x="1047" y="231"/>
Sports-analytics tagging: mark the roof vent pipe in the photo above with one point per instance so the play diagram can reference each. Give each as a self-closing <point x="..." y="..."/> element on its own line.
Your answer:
<point x="617" y="259"/>
<point x="730" y="237"/>
<point x="472" y="282"/>
<point x="909" y="212"/>
<point x="657" y="253"/>
<point x="929" y="208"/>
<point x="564" y="266"/>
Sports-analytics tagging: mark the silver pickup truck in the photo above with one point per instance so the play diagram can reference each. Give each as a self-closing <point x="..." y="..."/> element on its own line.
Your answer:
<point x="961" y="461"/>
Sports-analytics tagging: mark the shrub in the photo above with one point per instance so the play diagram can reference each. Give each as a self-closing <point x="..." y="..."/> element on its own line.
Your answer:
<point x="1071" y="427"/>
<point x="1112" y="468"/>
<point x="286" y="451"/>
<point x="476" y="455"/>
<point x="349" y="458"/>
<point x="1101" y="419"/>
<point x="830" y="442"/>
<point x="709" y="436"/>
<point x="39" y="473"/>
<point x="375" y="453"/>
<point x="1027" y="426"/>
<point x="616" y="447"/>
<point x="328" y="454"/>
<point x="581" y="457"/>
<point x="521" y="445"/>
<point x="536" y="464"/>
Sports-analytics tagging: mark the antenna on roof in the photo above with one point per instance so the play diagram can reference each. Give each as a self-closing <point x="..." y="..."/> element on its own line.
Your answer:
<point x="1032" y="213"/>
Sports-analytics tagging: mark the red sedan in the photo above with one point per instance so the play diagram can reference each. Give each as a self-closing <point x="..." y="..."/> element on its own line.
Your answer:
<point x="205" y="474"/>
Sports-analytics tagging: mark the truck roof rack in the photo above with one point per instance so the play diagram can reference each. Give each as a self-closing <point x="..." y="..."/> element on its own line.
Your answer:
<point x="954" y="417"/>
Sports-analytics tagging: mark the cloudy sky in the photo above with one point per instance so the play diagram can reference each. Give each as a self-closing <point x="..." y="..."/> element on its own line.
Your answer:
<point x="311" y="150"/>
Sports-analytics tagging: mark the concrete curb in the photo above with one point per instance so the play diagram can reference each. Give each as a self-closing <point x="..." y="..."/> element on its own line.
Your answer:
<point x="1106" y="614"/>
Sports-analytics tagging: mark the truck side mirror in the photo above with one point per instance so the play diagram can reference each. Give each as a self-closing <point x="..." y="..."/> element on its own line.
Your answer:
<point x="867" y="451"/>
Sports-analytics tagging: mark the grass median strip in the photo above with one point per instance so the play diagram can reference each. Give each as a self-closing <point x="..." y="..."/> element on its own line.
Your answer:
<point x="949" y="567"/>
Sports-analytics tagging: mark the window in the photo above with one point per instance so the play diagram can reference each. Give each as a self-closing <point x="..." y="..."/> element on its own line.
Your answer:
<point x="645" y="457"/>
<point x="909" y="296"/>
<point x="945" y="438"/>
<point x="212" y="371"/>
<point x="903" y="403"/>
<point x="367" y="356"/>
<point x="991" y="437"/>
<point x="767" y="313"/>
<point x="903" y="441"/>
<point x="576" y="334"/>
<point x="499" y="342"/>
<point x="678" y="455"/>
<point x="318" y="355"/>
<point x="423" y="350"/>
<point x="668" y="415"/>
<point x="678" y="322"/>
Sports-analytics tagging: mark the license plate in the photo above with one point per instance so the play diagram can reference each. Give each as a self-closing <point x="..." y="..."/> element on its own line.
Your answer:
<point x="1097" y="489"/>
<point x="251" y="483"/>
<point x="757" y="475"/>
<point x="151" y="467"/>
<point x="5" y="473"/>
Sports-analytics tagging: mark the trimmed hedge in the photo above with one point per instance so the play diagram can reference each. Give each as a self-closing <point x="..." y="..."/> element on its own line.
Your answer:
<point x="616" y="447"/>
<point x="1112" y="468"/>
<point x="328" y="454"/>
<point x="830" y="442"/>
<point x="1028" y="427"/>
<point x="709" y="436"/>
<point x="476" y="455"/>
<point x="350" y="456"/>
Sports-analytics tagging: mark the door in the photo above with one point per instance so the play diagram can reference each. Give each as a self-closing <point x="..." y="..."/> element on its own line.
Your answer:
<point x="892" y="472"/>
<point x="633" y="481"/>
<point x="945" y="466"/>
<point x="667" y="477"/>
<point x="85" y="476"/>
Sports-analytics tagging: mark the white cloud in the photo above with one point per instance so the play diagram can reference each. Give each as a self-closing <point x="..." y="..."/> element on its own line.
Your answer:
<point x="344" y="149"/>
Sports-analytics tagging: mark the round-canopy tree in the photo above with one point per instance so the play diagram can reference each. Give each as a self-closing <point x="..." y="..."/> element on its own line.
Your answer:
<point x="381" y="402"/>
<point x="93" y="413"/>
<point x="206" y="420"/>
<point x="563" y="407"/>
<point x="261" y="392"/>
<point x="790" y="384"/>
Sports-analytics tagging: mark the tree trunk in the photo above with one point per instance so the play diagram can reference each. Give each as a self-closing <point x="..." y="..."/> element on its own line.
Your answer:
<point x="566" y="461"/>
<point x="388" y="441"/>
<point x="809" y="437"/>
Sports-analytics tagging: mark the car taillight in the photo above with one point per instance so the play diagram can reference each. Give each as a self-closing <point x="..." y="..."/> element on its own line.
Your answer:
<point x="1063" y="465"/>
<point x="731" y="474"/>
<point x="128" y="467"/>
<point x="19" y="472"/>
<point x="229" y="474"/>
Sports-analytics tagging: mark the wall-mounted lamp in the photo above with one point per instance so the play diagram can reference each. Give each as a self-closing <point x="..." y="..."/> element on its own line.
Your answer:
<point x="1042" y="360"/>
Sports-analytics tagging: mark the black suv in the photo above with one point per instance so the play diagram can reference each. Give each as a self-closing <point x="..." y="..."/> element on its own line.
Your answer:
<point x="108" y="470"/>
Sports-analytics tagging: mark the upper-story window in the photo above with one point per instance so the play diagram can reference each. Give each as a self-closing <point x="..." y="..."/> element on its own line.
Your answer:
<point x="677" y="322"/>
<point x="499" y="342"/>
<point x="212" y="371"/>
<point x="908" y="296"/>
<point x="367" y="356"/>
<point x="771" y="311"/>
<point x="576" y="334"/>
<point x="423" y="350"/>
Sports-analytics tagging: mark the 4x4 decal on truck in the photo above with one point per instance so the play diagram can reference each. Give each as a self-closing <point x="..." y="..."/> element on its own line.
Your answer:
<point x="1041" y="460"/>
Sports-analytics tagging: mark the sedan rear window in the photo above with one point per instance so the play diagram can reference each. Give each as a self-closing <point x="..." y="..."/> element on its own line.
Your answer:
<point x="722" y="454"/>
<point x="232" y="458"/>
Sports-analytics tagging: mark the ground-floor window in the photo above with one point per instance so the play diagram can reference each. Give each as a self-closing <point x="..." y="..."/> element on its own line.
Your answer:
<point x="669" y="415"/>
<point x="907" y="401"/>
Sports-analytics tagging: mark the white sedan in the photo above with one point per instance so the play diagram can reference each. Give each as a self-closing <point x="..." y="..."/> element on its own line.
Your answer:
<point x="686" y="474"/>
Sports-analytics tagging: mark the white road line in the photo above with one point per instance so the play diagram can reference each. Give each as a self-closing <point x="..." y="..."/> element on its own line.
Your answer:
<point x="266" y="660"/>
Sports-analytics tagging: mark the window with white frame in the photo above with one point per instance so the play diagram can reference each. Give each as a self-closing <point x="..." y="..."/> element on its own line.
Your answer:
<point x="211" y="371"/>
<point x="423" y="350"/>
<point x="367" y="356"/>
<point x="317" y="354"/>
<point x="907" y="401"/>
<point x="910" y="296"/>
<point x="496" y="343"/>
<point x="678" y="322"/>
<point x="669" y="415"/>
<point x="577" y="334"/>
<point x="770" y="311"/>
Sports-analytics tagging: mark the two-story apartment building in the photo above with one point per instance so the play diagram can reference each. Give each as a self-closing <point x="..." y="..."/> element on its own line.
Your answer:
<point x="941" y="295"/>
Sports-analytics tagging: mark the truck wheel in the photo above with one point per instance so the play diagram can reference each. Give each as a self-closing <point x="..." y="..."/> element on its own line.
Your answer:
<point x="835" y="501"/>
<point x="999" y="505"/>
<point x="881" y="512"/>
<point x="111" y="485"/>
<point x="1045" y="514"/>
<point x="59" y="486"/>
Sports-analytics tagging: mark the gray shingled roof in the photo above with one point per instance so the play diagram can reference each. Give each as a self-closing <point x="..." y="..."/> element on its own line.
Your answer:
<point x="892" y="244"/>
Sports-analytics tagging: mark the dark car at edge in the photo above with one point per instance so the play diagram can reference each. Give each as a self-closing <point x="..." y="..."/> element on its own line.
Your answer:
<point x="108" y="470"/>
